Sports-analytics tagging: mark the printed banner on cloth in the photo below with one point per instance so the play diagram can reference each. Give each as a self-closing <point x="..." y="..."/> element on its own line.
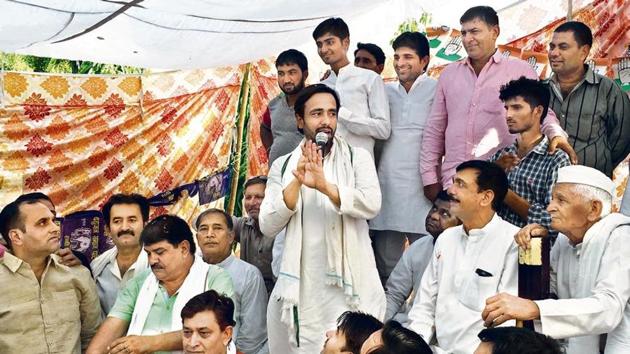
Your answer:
<point x="84" y="232"/>
<point x="214" y="187"/>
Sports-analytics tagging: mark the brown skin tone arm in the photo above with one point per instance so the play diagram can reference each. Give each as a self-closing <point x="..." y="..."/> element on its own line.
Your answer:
<point x="110" y="339"/>
<point x="266" y="137"/>
<point x="517" y="203"/>
<point x="431" y="191"/>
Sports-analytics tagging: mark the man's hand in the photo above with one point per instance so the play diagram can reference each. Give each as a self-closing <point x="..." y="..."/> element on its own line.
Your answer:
<point x="431" y="191"/>
<point x="313" y="172"/>
<point x="507" y="162"/>
<point x="524" y="235"/>
<point x="560" y="142"/>
<point x="131" y="345"/>
<point x="68" y="258"/>
<point x="504" y="307"/>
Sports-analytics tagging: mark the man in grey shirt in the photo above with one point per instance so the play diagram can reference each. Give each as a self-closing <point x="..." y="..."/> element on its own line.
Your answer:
<point x="591" y="108"/>
<point x="278" y="130"/>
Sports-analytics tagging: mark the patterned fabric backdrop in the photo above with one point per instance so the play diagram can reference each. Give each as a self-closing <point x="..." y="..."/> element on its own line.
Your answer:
<point x="80" y="139"/>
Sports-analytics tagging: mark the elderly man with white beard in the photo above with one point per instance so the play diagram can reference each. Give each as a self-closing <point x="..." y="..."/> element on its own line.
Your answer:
<point x="590" y="272"/>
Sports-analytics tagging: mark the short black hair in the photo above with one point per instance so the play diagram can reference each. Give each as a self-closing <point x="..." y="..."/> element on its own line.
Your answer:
<point x="489" y="177"/>
<point x="255" y="180"/>
<point x="226" y="216"/>
<point x="512" y="340"/>
<point x="581" y="32"/>
<point x="357" y="327"/>
<point x="443" y="195"/>
<point x="222" y="307"/>
<point x="484" y="13"/>
<point x="11" y="217"/>
<point x="309" y="92"/>
<point x="533" y="92"/>
<point x="400" y="340"/>
<point x="120" y="198"/>
<point x="373" y="49"/>
<point x="292" y="56"/>
<point x="169" y="228"/>
<point x="335" y="26"/>
<point x="34" y="196"/>
<point x="414" y="40"/>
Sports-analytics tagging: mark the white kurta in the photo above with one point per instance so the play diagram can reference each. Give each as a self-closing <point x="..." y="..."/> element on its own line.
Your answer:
<point x="452" y="294"/>
<point x="607" y="310"/>
<point x="321" y="304"/>
<point x="251" y="294"/>
<point x="399" y="164"/>
<point x="404" y="281"/>
<point x="364" y="113"/>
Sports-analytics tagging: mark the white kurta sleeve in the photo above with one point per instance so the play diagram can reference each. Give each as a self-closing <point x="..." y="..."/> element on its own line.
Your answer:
<point x="422" y="314"/>
<point x="364" y="199"/>
<point x="602" y="311"/>
<point x="274" y="213"/>
<point x="399" y="285"/>
<point x="509" y="278"/>
<point x="377" y="125"/>
<point x="252" y="335"/>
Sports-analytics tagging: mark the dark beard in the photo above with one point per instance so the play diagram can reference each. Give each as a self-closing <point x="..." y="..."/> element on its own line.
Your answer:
<point x="297" y="88"/>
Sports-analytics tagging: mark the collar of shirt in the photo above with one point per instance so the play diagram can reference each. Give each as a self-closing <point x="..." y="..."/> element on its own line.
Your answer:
<point x="540" y="148"/>
<point x="226" y="262"/>
<point x="496" y="58"/>
<point x="13" y="263"/>
<point x="589" y="76"/>
<point x="476" y="234"/>
<point x="419" y="80"/>
<point x="113" y="265"/>
<point x="249" y="221"/>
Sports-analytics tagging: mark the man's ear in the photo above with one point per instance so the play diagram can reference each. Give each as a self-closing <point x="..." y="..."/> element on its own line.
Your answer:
<point x="595" y="210"/>
<point x="345" y="43"/>
<point x="487" y="198"/>
<point x="304" y="75"/>
<point x="16" y="237"/>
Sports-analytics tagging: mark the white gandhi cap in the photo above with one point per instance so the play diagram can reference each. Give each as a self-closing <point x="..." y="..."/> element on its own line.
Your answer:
<point x="588" y="176"/>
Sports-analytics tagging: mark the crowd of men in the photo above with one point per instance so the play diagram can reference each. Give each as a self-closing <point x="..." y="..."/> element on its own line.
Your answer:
<point x="390" y="221"/>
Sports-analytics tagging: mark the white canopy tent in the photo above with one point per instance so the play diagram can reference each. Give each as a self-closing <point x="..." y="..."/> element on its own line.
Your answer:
<point x="202" y="33"/>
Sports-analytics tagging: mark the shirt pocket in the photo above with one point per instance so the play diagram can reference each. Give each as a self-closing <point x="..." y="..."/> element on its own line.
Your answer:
<point x="477" y="290"/>
<point x="66" y="306"/>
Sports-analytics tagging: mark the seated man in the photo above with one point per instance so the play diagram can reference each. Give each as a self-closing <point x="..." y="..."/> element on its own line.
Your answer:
<point x="215" y="238"/>
<point x="256" y="248"/>
<point x="590" y="272"/>
<point x="512" y="340"/>
<point x="395" y="339"/>
<point x="353" y="328"/>
<point x="404" y="280"/>
<point x="208" y="324"/>
<point x="530" y="169"/>
<point x="147" y="309"/>
<point x="46" y="307"/>
<point x="470" y="262"/>
<point x="125" y="216"/>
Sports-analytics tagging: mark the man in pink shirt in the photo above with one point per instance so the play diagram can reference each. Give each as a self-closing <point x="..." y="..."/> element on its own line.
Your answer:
<point x="467" y="115"/>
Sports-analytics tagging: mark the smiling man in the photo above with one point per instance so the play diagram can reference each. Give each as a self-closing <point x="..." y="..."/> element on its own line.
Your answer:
<point x="369" y="56"/>
<point x="47" y="307"/>
<point x="323" y="197"/>
<point x="215" y="237"/>
<point x="125" y="216"/>
<point x="145" y="317"/>
<point x="364" y="114"/>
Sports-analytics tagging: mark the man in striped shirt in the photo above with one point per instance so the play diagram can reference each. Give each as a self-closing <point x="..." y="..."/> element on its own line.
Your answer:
<point x="591" y="108"/>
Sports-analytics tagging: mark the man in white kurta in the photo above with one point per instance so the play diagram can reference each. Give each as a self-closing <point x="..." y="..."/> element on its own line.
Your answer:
<point x="410" y="100"/>
<point x="470" y="262"/>
<point x="364" y="112"/>
<point x="590" y="272"/>
<point x="327" y="265"/>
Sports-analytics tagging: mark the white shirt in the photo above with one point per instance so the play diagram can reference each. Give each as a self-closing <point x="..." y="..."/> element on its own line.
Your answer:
<point x="109" y="281"/>
<point x="251" y="294"/>
<point x="607" y="310"/>
<point x="452" y="294"/>
<point x="402" y="284"/>
<point x="364" y="113"/>
<point x="399" y="165"/>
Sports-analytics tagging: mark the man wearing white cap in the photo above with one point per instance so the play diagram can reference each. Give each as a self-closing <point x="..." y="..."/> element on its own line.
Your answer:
<point x="590" y="272"/>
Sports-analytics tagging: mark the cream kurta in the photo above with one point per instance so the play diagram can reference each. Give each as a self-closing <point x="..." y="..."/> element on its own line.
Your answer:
<point x="607" y="310"/>
<point x="452" y="294"/>
<point x="320" y="304"/>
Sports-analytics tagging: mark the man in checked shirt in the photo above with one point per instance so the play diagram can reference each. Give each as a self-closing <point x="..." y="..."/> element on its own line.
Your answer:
<point x="530" y="169"/>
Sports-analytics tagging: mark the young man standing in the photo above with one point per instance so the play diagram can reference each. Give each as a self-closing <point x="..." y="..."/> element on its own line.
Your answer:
<point x="531" y="170"/>
<point x="369" y="56"/>
<point x="364" y="112"/>
<point x="278" y="130"/>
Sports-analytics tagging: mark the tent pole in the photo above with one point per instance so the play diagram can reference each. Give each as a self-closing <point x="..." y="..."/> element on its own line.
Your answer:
<point x="236" y="167"/>
<point x="569" y="10"/>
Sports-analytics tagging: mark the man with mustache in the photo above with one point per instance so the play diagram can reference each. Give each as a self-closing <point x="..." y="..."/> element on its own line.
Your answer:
<point x="323" y="197"/>
<point x="278" y="130"/>
<point x="146" y="315"/>
<point x="364" y="115"/>
<point x="125" y="216"/>
<point x="215" y="238"/>
<point x="46" y="307"/>
<point x="470" y="262"/>
<point x="530" y="169"/>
